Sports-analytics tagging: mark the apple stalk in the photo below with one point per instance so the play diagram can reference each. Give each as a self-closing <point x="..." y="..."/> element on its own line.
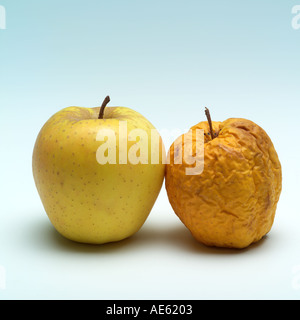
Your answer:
<point x="207" y="113"/>
<point x="103" y="106"/>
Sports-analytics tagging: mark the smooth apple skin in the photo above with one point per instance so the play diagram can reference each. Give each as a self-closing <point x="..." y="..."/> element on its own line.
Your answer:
<point x="85" y="201"/>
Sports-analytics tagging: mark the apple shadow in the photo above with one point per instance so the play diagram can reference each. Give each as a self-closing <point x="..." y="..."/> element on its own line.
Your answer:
<point x="180" y="237"/>
<point x="43" y="235"/>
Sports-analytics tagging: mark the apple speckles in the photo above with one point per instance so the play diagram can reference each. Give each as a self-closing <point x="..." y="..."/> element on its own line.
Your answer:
<point x="85" y="201"/>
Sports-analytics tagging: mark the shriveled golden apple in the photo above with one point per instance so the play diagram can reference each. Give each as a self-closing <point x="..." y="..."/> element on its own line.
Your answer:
<point x="232" y="203"/>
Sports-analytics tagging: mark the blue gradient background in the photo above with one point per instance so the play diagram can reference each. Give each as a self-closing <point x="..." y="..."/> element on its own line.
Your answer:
<point x="167" y="60"/>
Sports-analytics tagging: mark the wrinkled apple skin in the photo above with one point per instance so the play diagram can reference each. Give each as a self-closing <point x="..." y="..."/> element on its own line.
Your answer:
<point x="232" y="203"/>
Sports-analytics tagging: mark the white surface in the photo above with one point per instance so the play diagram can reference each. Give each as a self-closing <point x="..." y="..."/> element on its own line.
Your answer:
<point x="162" y="261"/>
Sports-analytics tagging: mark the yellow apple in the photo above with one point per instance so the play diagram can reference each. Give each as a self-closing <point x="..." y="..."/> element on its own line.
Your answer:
<point x="98" y="172"/>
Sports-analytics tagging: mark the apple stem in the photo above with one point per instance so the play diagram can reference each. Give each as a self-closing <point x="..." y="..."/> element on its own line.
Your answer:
<point x="104" y="104"/>
<point x="207" y="113"/>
